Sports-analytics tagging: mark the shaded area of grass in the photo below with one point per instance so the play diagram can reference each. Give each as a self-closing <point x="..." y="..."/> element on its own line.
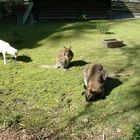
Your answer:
<point x="28" y="36"/>
<point x="111" y="84"/>
<point x="133" y="58"/>
<point x="78" y="63"/>
<point x="24" y="58"/>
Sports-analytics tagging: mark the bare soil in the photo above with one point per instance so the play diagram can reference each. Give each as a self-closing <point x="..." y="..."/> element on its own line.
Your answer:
<point x="18" y="134"/>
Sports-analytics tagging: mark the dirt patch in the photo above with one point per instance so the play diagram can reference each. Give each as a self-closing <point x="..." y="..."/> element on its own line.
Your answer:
<point x="20" y="134"/>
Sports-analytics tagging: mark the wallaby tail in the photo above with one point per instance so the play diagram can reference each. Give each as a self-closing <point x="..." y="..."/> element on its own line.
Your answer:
<point x="119" y="74"/>
<point x="47" y="66"/>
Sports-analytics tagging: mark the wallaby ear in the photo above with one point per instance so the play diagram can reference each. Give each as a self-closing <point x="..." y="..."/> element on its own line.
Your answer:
<point x="85" y="87"/>
<point x="64" y="47"/>
<point x="83" y="93"/>
<point x="70" y="47"/>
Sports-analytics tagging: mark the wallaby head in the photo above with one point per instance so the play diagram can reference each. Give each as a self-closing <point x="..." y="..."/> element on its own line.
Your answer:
<point x="68" y="52"/>
<point x="13" y="52"/>
<point x="91" y="93"/>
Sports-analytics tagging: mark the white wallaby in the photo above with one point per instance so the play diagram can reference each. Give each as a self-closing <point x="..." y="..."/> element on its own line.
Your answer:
<point x="6" y="48"/>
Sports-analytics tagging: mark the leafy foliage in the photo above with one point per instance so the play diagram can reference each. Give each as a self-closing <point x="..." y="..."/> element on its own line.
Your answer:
<point x="103" y="28"/>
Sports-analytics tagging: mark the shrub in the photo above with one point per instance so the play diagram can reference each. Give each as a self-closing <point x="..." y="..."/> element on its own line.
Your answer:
<point x="103" y="28"/>
<point x="83" y="17"/>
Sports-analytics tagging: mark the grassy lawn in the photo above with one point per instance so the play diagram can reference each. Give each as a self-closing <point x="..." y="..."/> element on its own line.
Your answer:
<point x="50" y="99"/>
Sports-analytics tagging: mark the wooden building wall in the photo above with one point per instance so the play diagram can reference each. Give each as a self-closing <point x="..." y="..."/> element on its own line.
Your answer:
<point x="71" y="9"/>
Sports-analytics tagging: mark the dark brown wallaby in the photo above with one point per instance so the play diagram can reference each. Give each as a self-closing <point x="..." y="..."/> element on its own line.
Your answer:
<point x="94" y="78"/>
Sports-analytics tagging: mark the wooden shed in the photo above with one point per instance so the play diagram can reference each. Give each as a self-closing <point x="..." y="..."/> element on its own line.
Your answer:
<point x="71" y="9"/>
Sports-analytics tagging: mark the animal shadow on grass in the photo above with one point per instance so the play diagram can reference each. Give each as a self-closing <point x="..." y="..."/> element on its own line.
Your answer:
<point x="24" y="58"/>
<point x="109" y="33"/>
<point x="110" y="84"/>
<point x="77" y="63"/>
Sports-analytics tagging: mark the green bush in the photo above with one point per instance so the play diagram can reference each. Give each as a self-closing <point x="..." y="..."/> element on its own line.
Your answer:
<point x="83" y="17"/>
<point x="103" y="28"/>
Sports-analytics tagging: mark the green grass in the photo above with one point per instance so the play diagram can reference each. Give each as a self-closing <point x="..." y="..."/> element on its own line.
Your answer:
<point x="32" y="97"/>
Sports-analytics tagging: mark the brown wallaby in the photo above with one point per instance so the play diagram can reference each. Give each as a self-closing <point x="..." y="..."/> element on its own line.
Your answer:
<point x="94" y="78"/>
<point x="63" y="59"/>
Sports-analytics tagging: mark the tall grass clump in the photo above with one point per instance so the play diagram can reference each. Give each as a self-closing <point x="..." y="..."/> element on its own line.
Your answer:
<point x="136" y="133"/>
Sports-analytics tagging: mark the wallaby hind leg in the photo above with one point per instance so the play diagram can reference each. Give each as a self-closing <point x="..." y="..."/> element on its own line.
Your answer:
<point x="86" y="78"/>
<point x="4" y="58"/>
<point x="104" y="74"/>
